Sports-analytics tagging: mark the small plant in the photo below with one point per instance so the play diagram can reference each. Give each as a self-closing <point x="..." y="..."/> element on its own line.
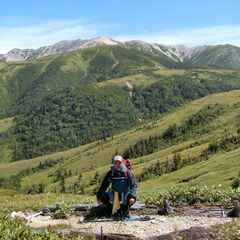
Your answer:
<point x="236" y="182"/>
<point x="230" y="231"/>
<point x="16" y="228"/>
<point x="63" y="212"/>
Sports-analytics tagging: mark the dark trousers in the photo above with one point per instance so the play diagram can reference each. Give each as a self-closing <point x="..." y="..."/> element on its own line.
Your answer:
<point x="124" y="208"/>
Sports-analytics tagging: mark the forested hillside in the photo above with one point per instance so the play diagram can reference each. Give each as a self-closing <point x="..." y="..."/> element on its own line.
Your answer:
<point x="70" y="119"/>
<point x="76" y="116"/>
<point x="24" y="84"/>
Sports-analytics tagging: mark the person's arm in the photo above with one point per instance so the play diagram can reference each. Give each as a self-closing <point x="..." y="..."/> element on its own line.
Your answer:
<point x="133" y="186"/>
<point x="104" y="186"/>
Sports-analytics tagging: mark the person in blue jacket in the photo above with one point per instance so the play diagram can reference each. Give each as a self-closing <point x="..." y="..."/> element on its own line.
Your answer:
<point x="123" y="182"/>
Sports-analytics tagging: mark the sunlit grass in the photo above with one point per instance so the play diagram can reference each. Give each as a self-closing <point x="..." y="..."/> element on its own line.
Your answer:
<point x="5" y="124"/>
<point x="20" y="202"/>
<point x="218" y="169"/>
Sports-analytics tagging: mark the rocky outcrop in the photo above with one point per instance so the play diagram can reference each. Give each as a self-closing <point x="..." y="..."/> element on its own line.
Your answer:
<point x="60" y="47"/>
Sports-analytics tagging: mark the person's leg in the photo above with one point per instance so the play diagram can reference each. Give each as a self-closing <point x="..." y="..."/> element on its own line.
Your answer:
<point x="125" y="208"/>
<point x="106" y="199"/>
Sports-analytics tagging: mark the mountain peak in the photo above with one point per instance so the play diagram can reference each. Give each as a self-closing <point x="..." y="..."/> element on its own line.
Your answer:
<point x="105" y="40"/>
<point x="59" y="47"/>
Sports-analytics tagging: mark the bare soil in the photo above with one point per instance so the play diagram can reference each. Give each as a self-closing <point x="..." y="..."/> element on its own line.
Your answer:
<point x="158" y="226"/>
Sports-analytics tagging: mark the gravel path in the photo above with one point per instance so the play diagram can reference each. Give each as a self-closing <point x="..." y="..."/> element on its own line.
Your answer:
<point x="160" y="225"/>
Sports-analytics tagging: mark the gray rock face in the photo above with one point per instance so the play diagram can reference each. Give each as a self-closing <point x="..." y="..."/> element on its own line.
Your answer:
<point x="155" y="49"/>
<point x="59" y="47"/>
<point x="17" y="54"/>
<point x="178" y="53"/>
<point x="63" y="46"/>
<point x="184" y="52"/>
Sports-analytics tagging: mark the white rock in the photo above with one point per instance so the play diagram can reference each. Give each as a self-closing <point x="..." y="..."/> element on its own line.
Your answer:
<point x="13" y="214"/>
<point x="18" y="214"/>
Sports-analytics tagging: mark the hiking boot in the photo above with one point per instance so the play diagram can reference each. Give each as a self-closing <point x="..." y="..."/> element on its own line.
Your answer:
<point x="145" y="218"/>
<point x="116" y="217"/>
<point x="125" y="211"/>
<point x="101" y="211"/>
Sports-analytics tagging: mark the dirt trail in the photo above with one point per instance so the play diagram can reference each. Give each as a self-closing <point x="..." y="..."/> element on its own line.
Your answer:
<point x="158" y="226"/>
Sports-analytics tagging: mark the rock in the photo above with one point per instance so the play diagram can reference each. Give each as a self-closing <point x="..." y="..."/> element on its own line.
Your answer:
<point x="163" y="219"/>
<point x="166" y="209"/>
<point x="235" y="212"/>
<point x="18" y="214"/>
<point x="13" y="214"/>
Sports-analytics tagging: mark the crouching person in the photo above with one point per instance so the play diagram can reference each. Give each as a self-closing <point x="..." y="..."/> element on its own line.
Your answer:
<point x="124" y="189"/>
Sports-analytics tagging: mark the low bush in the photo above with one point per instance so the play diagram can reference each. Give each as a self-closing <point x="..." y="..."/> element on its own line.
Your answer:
<point x="16" y="228"/>
<point x="229" y="231"/>
<point x="194" y="195"/>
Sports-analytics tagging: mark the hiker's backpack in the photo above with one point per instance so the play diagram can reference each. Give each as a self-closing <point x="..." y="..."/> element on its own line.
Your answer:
<point x="127" y="163"/>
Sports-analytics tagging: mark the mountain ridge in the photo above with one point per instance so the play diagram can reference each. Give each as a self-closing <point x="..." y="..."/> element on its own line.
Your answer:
<point x="220" y="55"/>
<point x="17" y="54"/>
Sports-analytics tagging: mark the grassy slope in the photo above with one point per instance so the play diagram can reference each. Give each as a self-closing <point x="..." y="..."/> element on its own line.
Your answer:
<point x="5" y="124"/>
<point x="96" y="156"/>
<point x="5" y="151"/>
<point x="219" y="169"/>
<point x="144" y="79"/>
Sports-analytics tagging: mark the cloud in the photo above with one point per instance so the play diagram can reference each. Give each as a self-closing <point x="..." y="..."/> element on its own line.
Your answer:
<point x="36" y="35"/>
<point x="191" y="36"/>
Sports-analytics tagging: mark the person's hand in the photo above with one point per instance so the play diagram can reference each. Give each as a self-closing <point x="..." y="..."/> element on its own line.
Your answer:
<point x="131" y="201"/>
<point x="98" y="201"/>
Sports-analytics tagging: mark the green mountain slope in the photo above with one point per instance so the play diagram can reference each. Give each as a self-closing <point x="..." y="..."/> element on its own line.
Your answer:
<point x="71" y="119"/>
<point x="5" y="124"/>
<point x="219" y="169"/>
<point x="24" y="84"/>
<point x="83" y="114"/>
<point x="227" y="56"/>
<point x="209" y="149"/>
<point x="220" y="55"/>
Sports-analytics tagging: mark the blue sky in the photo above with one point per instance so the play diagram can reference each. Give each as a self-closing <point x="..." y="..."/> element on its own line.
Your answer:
<point x="31" y="24"/>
